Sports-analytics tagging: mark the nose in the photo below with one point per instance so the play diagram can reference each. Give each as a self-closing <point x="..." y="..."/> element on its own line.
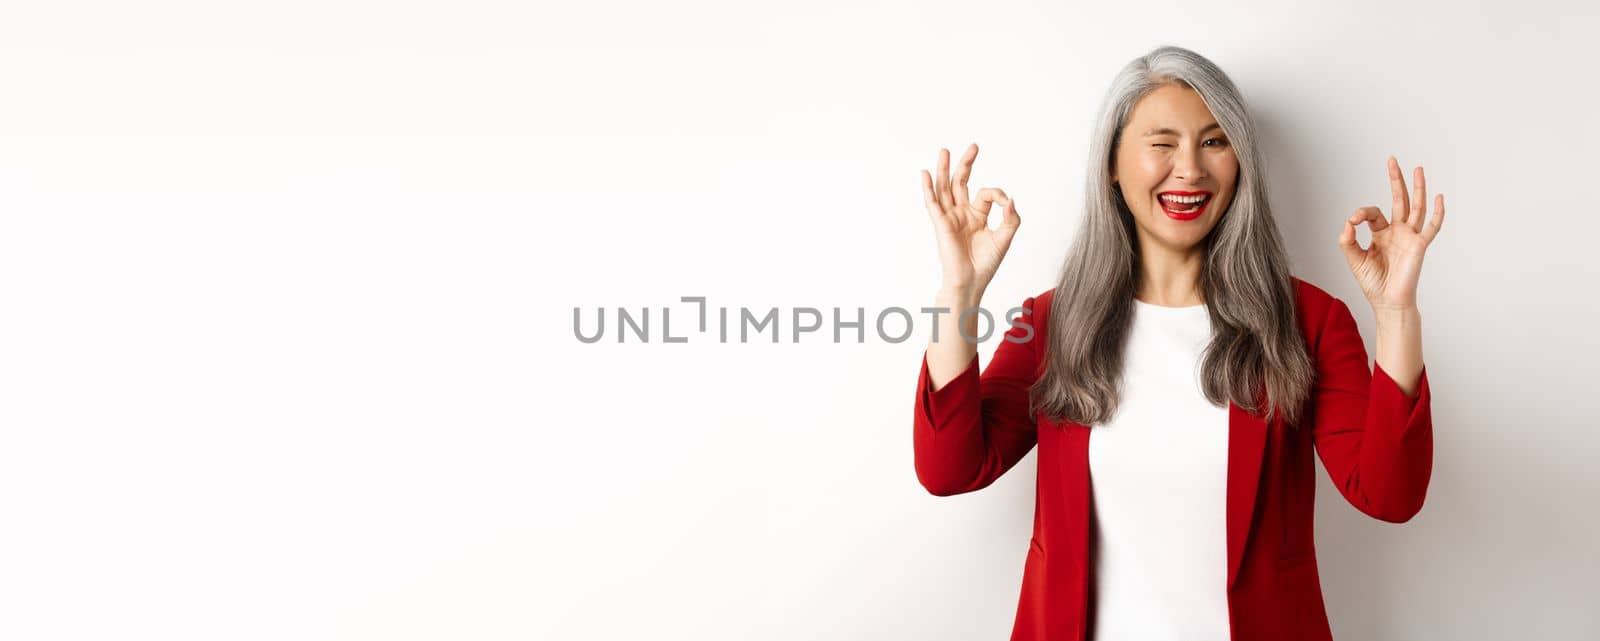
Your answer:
<point x="1186" y="166"/>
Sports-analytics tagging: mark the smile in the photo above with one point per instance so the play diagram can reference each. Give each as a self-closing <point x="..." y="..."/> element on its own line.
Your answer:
<point x="1184" y="205"/>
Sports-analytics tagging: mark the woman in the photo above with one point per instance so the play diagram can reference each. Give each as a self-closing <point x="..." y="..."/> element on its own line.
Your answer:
<point x="1180" y="367"/>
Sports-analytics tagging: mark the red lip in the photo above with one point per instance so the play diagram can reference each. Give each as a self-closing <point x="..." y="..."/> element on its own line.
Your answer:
<point x="1188" y="215"/>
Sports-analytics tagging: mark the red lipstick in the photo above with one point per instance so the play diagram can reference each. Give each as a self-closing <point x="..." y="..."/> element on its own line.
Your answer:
<point x="1185" y="215"/>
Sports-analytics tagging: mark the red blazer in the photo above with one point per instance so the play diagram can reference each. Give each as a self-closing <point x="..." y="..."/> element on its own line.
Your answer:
<point x="1376" y="443"/>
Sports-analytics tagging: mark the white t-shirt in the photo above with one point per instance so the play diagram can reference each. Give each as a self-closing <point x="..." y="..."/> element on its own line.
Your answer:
<point x="1159" y="476"/>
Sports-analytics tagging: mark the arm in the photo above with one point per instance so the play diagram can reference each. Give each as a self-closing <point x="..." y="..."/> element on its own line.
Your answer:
<point x="971" y="430"/>
<point x="1375" y="441"/>
<point x="1400" y="345"/>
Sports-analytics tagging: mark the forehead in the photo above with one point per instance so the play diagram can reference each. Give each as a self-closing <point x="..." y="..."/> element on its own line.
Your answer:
<point x="1170" y="107"/>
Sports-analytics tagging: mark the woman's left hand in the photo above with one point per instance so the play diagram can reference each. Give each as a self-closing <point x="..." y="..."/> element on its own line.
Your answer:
<point x="1389" y="267"/>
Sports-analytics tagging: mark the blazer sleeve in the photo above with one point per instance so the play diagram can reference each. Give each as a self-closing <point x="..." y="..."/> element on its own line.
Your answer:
<point x="1376" y="442"/>
<point x="973" y="429"/>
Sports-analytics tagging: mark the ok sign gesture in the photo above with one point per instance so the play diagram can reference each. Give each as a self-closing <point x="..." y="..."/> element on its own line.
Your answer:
<point x="1388" y="269"/>
<point x="969" y="252"/>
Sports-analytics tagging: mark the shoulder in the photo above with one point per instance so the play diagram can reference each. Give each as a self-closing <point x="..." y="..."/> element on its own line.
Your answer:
<point x="1310" y="301"/>
<point x="1039" y="307"/>
<point x="1029" y="320"/>
<point x="1315" y="308"/>
<point x="1041" y="300"/>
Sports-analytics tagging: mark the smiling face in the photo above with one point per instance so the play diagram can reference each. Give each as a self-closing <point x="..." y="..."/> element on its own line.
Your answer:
<point x="1176" y="169"/>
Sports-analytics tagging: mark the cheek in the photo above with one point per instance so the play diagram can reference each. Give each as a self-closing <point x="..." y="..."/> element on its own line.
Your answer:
<point x="1154" y="167"/>
<point x="1142" y="173"/>
<point x="1226" y="168"/>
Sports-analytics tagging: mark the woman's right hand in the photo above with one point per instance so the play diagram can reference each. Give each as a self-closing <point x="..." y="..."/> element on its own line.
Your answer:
<point x="969" y="251"/>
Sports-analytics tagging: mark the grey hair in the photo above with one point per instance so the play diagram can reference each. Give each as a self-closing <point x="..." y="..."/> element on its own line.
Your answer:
<point x="1257" y="357"/>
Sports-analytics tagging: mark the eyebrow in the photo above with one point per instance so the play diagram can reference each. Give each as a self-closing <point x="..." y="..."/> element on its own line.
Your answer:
<point x="1166" y="131"/>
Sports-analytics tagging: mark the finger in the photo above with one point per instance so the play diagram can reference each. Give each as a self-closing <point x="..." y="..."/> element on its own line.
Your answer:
<point x="964" y="171"/>
<point x="1397" y="185"/>
<point x="1419" y="201"/>
<point x="944" y="180"/>
<point x="1353" y="253"/>
<point x="1008" y="227"/>
<point x="930" y="199"/>
<point x="1437" y="221"/>
<point x="1011" y="220"/>
<point x="986" y="198"/>
<point x="1370" y="215"/>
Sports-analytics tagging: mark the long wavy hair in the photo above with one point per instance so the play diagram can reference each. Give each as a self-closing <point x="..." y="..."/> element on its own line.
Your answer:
<point x="1256" y="357"/>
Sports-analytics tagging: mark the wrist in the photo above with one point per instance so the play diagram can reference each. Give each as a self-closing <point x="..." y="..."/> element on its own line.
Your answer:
<point x="1397" y="324"/>
<point x="1393" y="307"/>
<point x="1395" y="311"/>
<point x="959" y="297"/>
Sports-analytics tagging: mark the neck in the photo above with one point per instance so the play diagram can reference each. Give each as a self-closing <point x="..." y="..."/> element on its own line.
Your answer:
<point x="1171" y="278"/>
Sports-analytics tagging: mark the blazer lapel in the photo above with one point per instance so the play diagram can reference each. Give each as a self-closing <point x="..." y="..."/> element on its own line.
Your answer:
<point x="1247" y="438"/>
<point x="1074" y="470"/>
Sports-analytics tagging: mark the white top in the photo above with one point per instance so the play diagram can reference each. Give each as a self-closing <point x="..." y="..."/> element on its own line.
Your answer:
<point x="1159" y="475"/>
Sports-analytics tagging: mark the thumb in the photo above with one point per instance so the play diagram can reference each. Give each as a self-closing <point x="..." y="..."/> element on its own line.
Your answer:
<point x="1008" y="224"/>
<point x="1353" y="253"/>
<point x="1011" y="220"/>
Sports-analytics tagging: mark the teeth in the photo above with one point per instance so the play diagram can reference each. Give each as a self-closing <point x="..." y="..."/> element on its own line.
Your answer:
<point x="1183" y="199"/>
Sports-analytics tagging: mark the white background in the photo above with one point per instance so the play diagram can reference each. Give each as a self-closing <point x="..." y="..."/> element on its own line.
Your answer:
<point x="286" y="302"/>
